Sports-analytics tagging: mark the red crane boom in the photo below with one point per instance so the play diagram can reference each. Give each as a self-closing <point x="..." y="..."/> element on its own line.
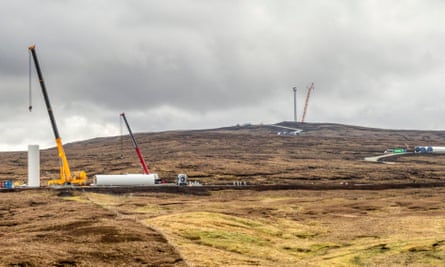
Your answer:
<point x="135" y="144"/>
<point x="309" y="90"/>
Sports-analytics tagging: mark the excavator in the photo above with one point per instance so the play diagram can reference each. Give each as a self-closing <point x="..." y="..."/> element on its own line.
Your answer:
<point x="66" y="177"/>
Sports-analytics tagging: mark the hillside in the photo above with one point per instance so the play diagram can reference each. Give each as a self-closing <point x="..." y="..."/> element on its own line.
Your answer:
<point x="323" y="153"/>
<point x="392" y="227"/>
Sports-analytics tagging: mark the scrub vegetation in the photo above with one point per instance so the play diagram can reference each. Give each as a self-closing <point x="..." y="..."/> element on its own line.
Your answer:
<point x="284" y="228"/>
<point x="322" y="154"/>
<point x="403" y="227"/>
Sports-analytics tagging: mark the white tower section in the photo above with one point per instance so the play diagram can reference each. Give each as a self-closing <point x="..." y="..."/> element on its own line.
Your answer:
<point x="295" y="103"/>
<point x="33" y="166"/>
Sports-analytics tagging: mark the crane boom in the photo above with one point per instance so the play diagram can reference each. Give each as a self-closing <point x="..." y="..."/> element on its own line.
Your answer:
<point x="135" y="144"/>
<point x="309" y="90"/>
<point x="65" y="172"/>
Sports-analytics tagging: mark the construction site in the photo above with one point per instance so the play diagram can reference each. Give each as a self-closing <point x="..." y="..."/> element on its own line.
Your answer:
<point x="292" y="193"/>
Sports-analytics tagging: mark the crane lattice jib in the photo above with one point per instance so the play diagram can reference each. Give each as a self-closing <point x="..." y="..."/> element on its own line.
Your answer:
<point x="309" y="90"/>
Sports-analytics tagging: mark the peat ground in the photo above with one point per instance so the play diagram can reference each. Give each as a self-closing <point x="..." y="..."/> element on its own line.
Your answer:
<point x="314" y="228"/>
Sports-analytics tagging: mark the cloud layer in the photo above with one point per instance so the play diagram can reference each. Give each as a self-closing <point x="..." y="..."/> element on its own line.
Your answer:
<point x="185" y="64"/>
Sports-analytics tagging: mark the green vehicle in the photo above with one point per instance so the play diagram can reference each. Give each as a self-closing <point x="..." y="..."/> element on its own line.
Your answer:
<point x="398" y="150"/>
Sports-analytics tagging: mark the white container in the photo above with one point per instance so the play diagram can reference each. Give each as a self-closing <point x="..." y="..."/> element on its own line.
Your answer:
<point x="33" y="166"/>
<point x="125" y="179"/>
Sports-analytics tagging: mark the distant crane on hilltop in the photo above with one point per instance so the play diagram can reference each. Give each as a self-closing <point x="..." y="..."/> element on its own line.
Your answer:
<point x="309" y="90"/>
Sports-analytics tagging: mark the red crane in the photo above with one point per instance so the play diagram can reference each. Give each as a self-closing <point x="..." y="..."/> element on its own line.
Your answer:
<point x="309" y="90"/>
<point x="138" y="151"/>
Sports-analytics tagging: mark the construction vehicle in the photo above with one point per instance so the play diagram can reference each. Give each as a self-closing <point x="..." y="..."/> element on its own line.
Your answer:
<point x="309" y="90"/>
<point x="396" y="150"/>
<point x="181" y="179"/>
<point x="145" y="169"/>
<point x="66" y="177"/>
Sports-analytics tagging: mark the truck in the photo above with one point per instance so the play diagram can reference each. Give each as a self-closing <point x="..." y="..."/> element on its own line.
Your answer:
<point x="429" y="149"/>
<point x="396" y="150"/>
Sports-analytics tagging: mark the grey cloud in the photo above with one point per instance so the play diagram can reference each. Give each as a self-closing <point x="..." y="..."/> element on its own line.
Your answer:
<point x="199" y="63"/>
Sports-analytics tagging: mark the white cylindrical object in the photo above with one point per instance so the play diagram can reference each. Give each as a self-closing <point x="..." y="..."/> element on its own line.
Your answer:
<point x="125" y="179"/>
<point x="439" y="149"/>
<point x="33" y="166"/>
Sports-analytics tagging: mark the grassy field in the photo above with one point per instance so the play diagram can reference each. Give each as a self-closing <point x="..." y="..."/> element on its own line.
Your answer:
<point x="226" y="228"/>
<point x="288" y="228"/>
<point x="403" y="227"/>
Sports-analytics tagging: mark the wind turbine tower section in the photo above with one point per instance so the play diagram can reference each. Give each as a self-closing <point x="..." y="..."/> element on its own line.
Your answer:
<point x="295" y="103"/>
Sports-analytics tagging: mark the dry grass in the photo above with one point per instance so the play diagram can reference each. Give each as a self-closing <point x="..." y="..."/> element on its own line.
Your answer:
<point x="323" y="154"/>
<point x="234" y="228"/>
<point x="284" y="228"/>
<point x="41" y="229"/>
<point x="226" y="228"/>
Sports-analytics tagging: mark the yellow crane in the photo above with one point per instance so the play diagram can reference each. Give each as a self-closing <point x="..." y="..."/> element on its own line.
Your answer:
<point x="309" y="90"/>
<point x="66" y="177"/>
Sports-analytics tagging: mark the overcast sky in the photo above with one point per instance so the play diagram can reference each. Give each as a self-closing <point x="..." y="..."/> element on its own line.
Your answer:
<point x="193" y="64"/>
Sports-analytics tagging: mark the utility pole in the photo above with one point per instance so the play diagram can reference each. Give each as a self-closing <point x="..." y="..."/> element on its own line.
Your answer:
<point x="295" y="103"/>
